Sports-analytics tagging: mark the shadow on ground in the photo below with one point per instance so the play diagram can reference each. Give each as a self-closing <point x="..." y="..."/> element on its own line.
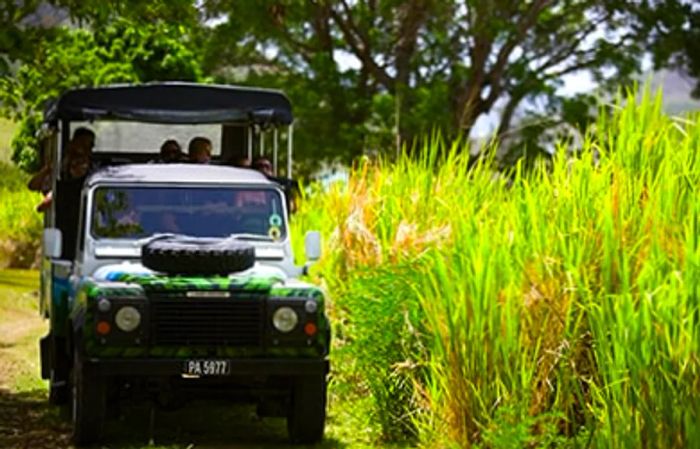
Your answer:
<point x="27" y="421"/>
<point x="204" y="425"/>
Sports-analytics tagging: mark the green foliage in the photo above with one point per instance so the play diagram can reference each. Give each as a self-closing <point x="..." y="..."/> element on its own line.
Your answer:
<point x="379" y="305"/>
<point x="673" y="28"/>
<point x="422" y="65"/>
<point x="24" y="145"/>
<point x="11" y="178"/>
<point x="121" y="52"/>
<point x="558" y="307"/>
<point x="359" y="73"/>
<point x="20" y="224"/>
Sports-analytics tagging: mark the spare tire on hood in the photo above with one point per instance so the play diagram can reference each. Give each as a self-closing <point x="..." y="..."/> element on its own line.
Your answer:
<point x="197" y="256"/>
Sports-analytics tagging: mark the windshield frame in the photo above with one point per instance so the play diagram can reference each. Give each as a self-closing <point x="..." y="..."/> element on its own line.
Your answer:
<point x="98" y="240"/>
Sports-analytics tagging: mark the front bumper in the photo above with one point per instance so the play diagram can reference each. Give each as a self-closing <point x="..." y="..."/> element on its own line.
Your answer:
<point x="239" y="367"/>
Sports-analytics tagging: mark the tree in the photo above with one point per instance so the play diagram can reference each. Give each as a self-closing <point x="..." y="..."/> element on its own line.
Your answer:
<point x="422" y="63"/>
<point x="672" y="27"/>
<point x="331" y="105"/>
<point x="25" y="23"/>
<point x="362" y="72"/>
<point x="120" y="52"/>
<point x="20" y="29"/>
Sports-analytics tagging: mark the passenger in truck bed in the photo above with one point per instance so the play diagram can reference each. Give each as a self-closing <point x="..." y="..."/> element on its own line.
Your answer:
<point x="199" y="150"/>
<point x="82" y="143"/>
<point x="76" y="165"/>
<point x="289" y="186"/>
<point x="171" y="152"/>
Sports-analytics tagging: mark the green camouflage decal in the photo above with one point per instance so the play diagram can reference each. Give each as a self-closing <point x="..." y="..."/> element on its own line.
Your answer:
<point x="289" y="292"/>
<point x="138" y="286"/>
<point x="163" y="282"/>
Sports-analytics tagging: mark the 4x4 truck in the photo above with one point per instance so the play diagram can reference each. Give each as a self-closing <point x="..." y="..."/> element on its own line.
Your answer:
<point x="170" y="282"/>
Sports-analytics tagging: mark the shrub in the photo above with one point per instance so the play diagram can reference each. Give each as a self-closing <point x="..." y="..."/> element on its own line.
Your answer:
<point x="20" y="223"/>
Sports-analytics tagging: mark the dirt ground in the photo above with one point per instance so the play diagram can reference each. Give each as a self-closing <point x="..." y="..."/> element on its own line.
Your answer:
<point x="27" y="421"/>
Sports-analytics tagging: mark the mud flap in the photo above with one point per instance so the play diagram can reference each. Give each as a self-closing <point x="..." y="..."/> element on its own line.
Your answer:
<point x="45" y="354"/>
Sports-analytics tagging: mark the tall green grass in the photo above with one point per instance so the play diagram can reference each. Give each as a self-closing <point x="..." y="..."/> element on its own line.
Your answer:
<point x="552" y="307"/>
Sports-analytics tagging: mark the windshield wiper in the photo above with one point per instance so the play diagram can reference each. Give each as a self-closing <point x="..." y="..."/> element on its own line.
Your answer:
<point x="253" y="237"/>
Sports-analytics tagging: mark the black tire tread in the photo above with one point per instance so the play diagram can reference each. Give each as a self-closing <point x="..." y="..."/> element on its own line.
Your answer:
<point x="89" y="403"/>
<point x="197" y="256"/>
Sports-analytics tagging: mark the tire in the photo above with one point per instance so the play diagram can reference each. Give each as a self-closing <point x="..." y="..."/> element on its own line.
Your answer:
<point x="306" y="418"/>
<point x="89" y="403"/>
<point x="197" y="256"/>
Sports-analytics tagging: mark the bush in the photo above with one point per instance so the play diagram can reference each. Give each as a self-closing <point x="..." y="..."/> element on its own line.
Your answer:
<point x="20" y="223"/>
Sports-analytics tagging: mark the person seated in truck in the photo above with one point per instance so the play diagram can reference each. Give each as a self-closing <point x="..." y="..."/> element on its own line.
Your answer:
<point x="289" y="186"/>
<point x="263" y="165"/>
<point x="77" y="169"/>
<point x="76" y="165"/>
<point x="83" y="142"/>
<point x="199" y="150"/>
<point x="171" y="152"/>
<point x="242" y="162"/>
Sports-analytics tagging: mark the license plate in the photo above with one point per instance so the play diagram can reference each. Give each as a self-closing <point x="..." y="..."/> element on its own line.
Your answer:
<point x="206" y="367"/>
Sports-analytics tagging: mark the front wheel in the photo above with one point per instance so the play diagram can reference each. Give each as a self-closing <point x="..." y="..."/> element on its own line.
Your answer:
<point x="89" y="403"/>
<point x="306" y="418"/>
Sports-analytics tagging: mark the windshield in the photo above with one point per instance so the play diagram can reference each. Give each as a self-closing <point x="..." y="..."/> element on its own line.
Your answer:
<point x="137" y="212"/>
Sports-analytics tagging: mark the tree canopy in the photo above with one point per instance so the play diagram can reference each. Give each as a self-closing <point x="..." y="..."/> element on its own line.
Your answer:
<point x="120" y="52"/>
<point x="672" y="28"/>
<point x="363" y="75"/>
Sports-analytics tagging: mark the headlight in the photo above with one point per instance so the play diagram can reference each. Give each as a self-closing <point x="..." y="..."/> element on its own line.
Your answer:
<point x="285" y="319"/>
<point x="127" y="318"/>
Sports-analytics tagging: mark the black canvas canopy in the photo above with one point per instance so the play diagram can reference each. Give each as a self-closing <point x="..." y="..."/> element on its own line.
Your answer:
<point x="173" y="102"/>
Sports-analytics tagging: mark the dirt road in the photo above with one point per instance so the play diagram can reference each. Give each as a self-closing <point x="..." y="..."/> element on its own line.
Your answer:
<point x="25" y="419"/>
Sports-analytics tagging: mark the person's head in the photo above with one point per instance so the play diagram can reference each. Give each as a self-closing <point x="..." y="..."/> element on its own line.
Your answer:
<point x="263" y="165"/>
<point x="199" y="150"/>
<point x="242" y="162"/>
<point x="84" y="138"/>
<point x="76" y="149"/>
<point x="170" y="151"/>
<point x="78" y="166"/>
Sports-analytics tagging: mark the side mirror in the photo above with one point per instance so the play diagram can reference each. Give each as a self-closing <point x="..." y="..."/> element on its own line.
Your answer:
<point x="312" y="245"/>
<point x="52" y="241"/>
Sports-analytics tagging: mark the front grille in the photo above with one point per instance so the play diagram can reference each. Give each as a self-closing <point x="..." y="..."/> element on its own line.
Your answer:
<point x="207" y="322"/>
